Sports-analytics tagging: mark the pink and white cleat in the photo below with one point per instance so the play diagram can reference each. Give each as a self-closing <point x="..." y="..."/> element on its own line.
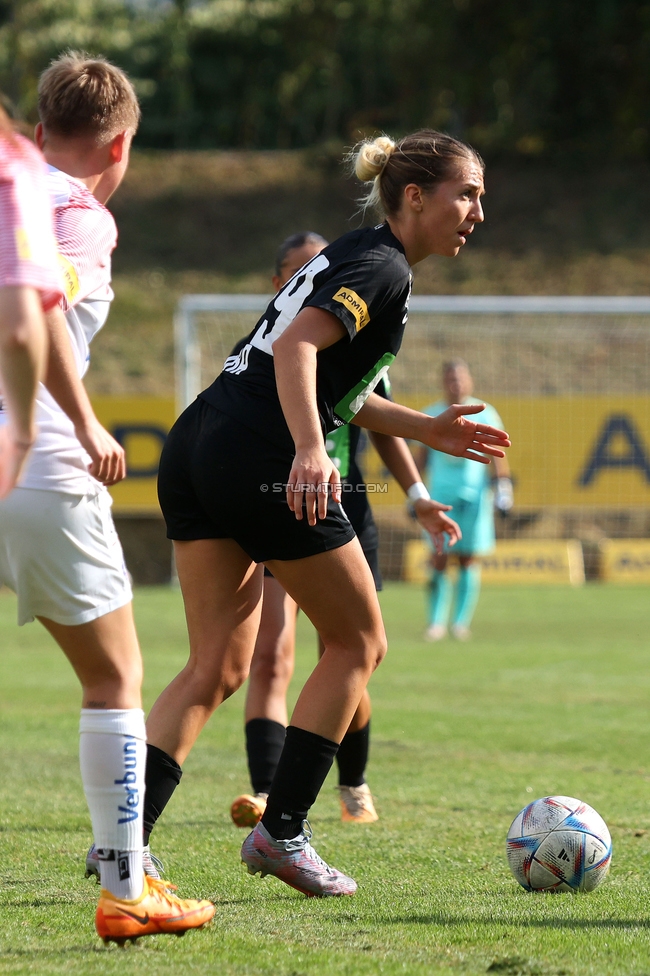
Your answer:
<point x="295" y="862"/>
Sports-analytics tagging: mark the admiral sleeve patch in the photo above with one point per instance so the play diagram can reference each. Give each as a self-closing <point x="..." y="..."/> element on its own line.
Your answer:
<point x="70" y="278"/>
<point x="355" y="305"/>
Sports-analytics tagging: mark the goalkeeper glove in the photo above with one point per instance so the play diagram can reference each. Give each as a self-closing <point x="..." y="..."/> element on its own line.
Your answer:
<point x="503" y="496"/>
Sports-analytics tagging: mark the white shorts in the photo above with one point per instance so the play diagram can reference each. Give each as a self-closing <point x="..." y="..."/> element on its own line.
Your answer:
<point x="61" y="556"/>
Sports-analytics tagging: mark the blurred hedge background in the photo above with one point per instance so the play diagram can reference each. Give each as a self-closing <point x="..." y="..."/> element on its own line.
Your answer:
<point x="249" y="104"/>
<point x="544" y="79"/>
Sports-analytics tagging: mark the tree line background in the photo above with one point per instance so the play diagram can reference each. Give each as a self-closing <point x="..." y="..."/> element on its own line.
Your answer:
<point x="545" y="78"/>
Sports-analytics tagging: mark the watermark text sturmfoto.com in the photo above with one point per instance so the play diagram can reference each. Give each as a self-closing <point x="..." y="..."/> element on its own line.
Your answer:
<point x="379" y="488"/>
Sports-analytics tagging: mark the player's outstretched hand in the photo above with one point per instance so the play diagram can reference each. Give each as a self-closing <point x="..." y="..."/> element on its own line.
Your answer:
<point x="13" y="455"/>
<point x="431" y="516"/>
<point x="312" y="478"/>
<point x="108" y="460"/>
<point x="451" y="433"/>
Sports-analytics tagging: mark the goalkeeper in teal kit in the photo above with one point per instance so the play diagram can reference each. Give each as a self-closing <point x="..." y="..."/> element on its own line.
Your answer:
<point x="474" y="491"/>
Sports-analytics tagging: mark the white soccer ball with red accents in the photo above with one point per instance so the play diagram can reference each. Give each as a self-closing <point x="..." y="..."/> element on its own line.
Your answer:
<point x="559" y="843"/>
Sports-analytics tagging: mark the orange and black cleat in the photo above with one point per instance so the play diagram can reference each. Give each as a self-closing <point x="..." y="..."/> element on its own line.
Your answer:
<point x="156" y="912"/>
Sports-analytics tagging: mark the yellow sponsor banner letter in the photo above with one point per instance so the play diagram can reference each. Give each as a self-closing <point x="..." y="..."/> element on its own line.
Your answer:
<point x="529" y="562"/>
<point x="141" y="425"/>
<point x="625" y="560"/>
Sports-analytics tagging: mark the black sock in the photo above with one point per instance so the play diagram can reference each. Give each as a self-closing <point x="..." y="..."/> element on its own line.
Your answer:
<point x="162" y="776"/>
<point x="352" y="757"/>
<point x="264" y="742"/>
<point x="305" y="762"/>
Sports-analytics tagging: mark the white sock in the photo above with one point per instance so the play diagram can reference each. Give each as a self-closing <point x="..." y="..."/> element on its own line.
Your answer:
<point x="112" y="756"/>
<point x="121" y="872"/>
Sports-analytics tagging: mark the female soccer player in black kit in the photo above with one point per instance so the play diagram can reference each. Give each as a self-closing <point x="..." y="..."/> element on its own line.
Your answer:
<point x="245" y="479"/>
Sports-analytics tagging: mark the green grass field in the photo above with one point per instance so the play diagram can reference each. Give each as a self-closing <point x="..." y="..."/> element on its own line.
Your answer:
<point x="550" y="697"/>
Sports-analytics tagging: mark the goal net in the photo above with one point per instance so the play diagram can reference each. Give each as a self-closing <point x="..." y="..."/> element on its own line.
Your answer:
<point x="570" y="377"/>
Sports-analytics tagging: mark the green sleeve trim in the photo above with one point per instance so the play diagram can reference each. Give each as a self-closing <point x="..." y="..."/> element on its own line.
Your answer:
<point x="337" y="445"/>
<point x="351" y="403"/>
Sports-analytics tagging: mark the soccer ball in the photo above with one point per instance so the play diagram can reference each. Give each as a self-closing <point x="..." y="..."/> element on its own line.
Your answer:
<point x="559" y="844"/>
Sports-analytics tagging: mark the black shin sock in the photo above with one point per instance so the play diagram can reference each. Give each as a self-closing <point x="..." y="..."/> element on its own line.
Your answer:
<point x="305" y="762"/>
<point x="162" y="776"/>
<point x="264" y="742"/>
<point x="352" y="757"/>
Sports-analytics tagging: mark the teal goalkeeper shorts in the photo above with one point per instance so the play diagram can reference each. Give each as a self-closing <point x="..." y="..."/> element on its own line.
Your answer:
<point x="474" y="512"/>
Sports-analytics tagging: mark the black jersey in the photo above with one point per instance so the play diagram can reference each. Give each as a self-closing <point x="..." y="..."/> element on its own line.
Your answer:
<point x="364" y="279"/>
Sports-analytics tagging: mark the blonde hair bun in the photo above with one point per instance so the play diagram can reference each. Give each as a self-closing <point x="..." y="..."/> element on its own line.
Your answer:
<point x="372" y="156"/>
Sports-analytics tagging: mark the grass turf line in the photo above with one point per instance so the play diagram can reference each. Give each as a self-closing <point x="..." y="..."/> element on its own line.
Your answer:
<point x="550" y="697"/>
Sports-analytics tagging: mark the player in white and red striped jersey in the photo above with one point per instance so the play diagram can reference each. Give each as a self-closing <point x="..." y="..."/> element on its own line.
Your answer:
<point x="30" y="282"/>
<point x="58" y="547"/>
<point x="86" y="235"/>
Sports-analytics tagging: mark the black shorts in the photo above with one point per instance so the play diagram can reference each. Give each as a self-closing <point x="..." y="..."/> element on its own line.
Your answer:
<point x="368" y="540"/>
<point x="221" y="480"/>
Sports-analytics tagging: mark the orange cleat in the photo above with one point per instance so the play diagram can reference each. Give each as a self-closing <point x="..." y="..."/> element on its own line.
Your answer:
<point x="247" y="810"/>
<point x="157" y="911"/>
<point x="356" y="804"/>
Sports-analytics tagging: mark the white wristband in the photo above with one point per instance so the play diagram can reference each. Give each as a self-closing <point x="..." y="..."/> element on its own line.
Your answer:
<point x="417" y="492"/>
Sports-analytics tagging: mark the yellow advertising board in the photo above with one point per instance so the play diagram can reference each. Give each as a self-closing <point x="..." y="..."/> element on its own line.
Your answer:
<point x="529" y="562"/>
<point x="625" y="560"/>
<point x="141" y="425"/>
<point x="566" y="451"/>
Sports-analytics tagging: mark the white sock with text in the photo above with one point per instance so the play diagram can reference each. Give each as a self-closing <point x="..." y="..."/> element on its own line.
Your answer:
<point x="112" y="757"/>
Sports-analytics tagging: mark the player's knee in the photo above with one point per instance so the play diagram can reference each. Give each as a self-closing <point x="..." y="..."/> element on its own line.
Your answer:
<point x="232" y="679"/>
<point x="271" y="663"/>
<point x="381" y="649"/>
<point x="211" y="680"/>
<point x="376" y="652"/>
<point x="365" y="650"/>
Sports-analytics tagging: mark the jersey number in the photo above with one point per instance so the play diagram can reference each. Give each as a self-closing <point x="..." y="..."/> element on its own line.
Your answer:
<point x="288" y="302"/>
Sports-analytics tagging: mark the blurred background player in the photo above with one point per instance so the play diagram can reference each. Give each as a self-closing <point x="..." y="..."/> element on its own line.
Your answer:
<point x="59" y="550"/>
<point x="474" y="491"/>
<point x="273" y="660"/>
<point x="30" y="282"/>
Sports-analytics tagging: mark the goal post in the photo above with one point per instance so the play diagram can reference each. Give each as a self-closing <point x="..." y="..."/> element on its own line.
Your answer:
<point x="569" y="376"/>
<point x="188" y="349"/>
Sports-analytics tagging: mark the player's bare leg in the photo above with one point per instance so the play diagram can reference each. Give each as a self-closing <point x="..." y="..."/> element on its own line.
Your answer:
<point x="266" y="699"/>
<point x="271" y="669"/>
<point x="357" y="804"/>
<point x="105" y="655"/>
<point x="222" y="592"/>
<point x="336" y="591"/>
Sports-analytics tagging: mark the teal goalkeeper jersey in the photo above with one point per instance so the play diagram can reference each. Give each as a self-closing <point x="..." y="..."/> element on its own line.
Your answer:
<point x="449" y="476"/>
